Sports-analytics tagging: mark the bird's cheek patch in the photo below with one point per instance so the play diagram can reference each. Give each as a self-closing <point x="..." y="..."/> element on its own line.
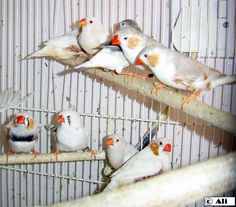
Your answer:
<point x="153" y="60"/>
<point x="154" y="148"/>
<point x="133" y="42"/>
<point x="31" y="124"/>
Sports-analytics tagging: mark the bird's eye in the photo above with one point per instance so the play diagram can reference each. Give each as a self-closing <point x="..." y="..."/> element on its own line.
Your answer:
<point x="117" y="140"/>
<point x="145" y="55"/>
<point x="90" y="21"/>
<point x="122" y="23"/>
<point x="160" y="143"/>
<point x="125" y="38"/>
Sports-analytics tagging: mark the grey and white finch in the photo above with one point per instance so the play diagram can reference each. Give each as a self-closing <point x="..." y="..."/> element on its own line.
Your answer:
<point x="151" y="161"/>
<point x="92" y="35"/>
<point x="118" y="150"/>
<point x="178" y="71"/>
<point x="62" y="48"/>
<point x="126" y="23"/>
<point x="23" y="133"/>
<point x="71" y="134"/>
<point x="110" y="58"/>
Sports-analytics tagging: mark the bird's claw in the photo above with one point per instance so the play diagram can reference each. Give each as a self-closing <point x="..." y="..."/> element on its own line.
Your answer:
<point x="192" y="96"/>
<point x="56" y="153"/>
<point x="8" y="154"/>
<point x="157" y="88"/>
<point x="92" y="152"/>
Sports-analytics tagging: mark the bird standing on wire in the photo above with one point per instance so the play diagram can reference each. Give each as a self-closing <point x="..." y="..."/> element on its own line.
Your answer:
<point x="23" y="134"/>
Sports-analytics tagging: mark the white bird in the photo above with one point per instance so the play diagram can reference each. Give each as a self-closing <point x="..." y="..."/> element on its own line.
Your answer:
<point x="181" y="72"/>
<point x="23" y="134"/>
<point x="62" y="48"/>
<point x="110" y="58"/>
<point x="126" y="23"/>
<point x="118" y="150"/>
<point x="92" y="35"/>
<point x="71" y="134"/>
<point x="151" y="161"/>
<point x="9" y="98"/>
<point x="132" y="42"/>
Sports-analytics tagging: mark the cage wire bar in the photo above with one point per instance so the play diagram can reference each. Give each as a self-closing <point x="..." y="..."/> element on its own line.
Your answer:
<point x="105" y="106"/>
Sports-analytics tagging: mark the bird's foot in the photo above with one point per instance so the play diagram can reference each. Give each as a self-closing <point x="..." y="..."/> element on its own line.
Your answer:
<point x="35" y="153"/>
<point x="134" y="76"/>
<point x="97" y="70"/>
<point x="92" y="152"/>
<point x="9" y="153"/>
<point x="73" y="48"/>
<point x="56" y="153"/>
<point x="189" y="98"/>
<point x="157" y="88"/>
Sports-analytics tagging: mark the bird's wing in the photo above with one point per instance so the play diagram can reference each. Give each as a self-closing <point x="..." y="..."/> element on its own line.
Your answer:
<point x="9" y="98"/>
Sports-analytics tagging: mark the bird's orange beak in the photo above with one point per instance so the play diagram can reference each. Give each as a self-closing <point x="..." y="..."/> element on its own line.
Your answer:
<point x="60" y="119"/>
<point x="139" y="62"/>
<point x="115" y="40"/>
<point x="167" y="148"/>
<point x="20" y="119"/>
<point x="109" y="141"/>
<point x="83" y="22"/>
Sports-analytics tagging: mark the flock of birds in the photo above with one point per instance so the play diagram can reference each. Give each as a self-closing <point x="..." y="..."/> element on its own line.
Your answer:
<point x="93" y="46"/>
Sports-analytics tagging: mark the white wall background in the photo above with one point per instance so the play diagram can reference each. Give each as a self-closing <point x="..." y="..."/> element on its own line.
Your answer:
<point x="106" y="108"/>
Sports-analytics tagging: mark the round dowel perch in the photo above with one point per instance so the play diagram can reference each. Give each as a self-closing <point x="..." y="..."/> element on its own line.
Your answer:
<point x="176" y="188"/>
<point x="174" y="99"/>
<point x="49" y="158"/>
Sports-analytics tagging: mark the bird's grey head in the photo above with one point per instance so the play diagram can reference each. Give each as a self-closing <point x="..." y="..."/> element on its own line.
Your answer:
<point x="126" y="23"/>
<point x="24" y="119"/>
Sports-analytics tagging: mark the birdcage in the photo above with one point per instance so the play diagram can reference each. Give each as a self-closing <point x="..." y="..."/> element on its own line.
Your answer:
<point x="204" y="30"/>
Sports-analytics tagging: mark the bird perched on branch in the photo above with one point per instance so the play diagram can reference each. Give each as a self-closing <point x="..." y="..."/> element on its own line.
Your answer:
<point x="151" y="161"/>
<point x="71" y="134"/>
<point x="62" y="48"/>
<point x="92" y="35"/>
<point x="118" y="150"/>
<point x="178" y="71"/>
<point x="23" y="134"/>
<point x="110" y="58"/>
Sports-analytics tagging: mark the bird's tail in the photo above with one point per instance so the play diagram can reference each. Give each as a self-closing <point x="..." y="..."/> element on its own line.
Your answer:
<point x="226" y="79"/>
<point x="38" y="54"/>
<point x="83" y="66"/>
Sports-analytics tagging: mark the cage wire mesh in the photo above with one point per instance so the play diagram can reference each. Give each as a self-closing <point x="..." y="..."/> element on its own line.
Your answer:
<point x="105" y="107"/>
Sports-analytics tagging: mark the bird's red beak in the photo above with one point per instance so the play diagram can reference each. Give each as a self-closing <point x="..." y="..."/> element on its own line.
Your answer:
<point x="20" y="119"/>
<point x="60" y="119"/>
<point x="109" y="141"/>
<point x="83" y="22"/>
<point x="115" y="40"/>
<point x="167" y="148"/>
<point x="139" y="62"/>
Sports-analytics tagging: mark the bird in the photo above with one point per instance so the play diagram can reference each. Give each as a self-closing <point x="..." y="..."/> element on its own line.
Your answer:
<point x="92" y="35"/>
<point x="9" y="98"/>
<point x="151" y="161"/>
<point x="118" y="150"/>
<point x="62" y="48"/>
<point x="181" y="72"/>
<point x="109" y="58"/>
<point x="23" y="134"/>
<point x="71" y="134"/>
<point x="126" y="23"/>
<point x="132" y="41"/>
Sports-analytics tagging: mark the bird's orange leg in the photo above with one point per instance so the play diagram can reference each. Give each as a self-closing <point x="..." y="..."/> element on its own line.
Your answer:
<point x="133" y="75"/>
<point x="157" y="88"/>
<point x="92" y="152"/>
<point x="35" y="153"/>
<point x="189" y="98"/>
<point x="56" y="153"/>
<point x="8" y="153"/>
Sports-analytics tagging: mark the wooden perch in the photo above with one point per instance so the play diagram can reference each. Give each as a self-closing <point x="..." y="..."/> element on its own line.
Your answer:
<point x="176" y="188"/>
<point x="50" y="158"/>
<point x="174" y="99"/>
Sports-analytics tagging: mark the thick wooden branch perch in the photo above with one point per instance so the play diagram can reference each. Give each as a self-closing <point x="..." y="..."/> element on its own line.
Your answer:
<point x="174" y="99"/>
<point x="50" y="158"/>
<point x="176" y="188"/>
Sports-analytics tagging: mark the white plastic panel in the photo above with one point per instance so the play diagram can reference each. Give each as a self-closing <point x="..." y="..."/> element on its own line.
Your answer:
<point x="105" y="107"/>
